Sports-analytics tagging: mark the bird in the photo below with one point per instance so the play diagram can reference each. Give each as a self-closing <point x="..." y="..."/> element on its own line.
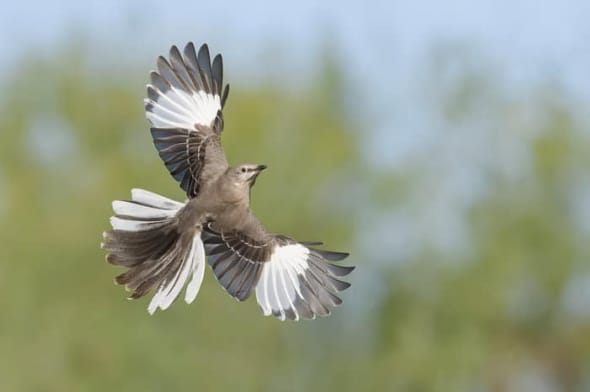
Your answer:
<point x="164" y="244"/>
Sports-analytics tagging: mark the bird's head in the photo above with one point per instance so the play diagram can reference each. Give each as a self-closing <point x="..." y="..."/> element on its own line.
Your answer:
<point x="238" y="181"/>
<point x="245" y="175"/>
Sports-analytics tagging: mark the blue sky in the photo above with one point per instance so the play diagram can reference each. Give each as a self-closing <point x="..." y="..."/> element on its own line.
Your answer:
<point x="382" y="44"/>
<point x="555" y="33"/>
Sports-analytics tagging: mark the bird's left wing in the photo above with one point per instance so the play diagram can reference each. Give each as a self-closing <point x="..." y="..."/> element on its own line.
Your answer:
<point x="292" y="280"/>
<point x="184" y="107"/>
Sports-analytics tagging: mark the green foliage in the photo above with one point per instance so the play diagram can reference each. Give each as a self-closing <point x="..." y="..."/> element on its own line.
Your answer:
<point x="65" y="326"/>
<point x="72" y="140"/>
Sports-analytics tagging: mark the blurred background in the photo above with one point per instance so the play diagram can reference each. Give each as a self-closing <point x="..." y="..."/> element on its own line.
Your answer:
<point x="446" y="145"/>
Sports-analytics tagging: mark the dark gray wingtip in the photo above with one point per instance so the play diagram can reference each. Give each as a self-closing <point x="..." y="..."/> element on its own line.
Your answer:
<point x="159" y="82"/>
<point x="311" y="243"/>
<point x="217" y="73"/>
<point x="162" y="64"/>
<point x="189" y="48"/>
<point x="339" y="270"/>
<point x="331" y="255"/>
<point x="175" y="53"/>
<point x="204" y="60"/>
<point x="190" y="55"/>
<point x="225" y="94"/>
<point x="203" y="55"/>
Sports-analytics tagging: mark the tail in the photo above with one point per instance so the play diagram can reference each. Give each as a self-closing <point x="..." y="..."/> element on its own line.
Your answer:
<point x="146" y="240"/>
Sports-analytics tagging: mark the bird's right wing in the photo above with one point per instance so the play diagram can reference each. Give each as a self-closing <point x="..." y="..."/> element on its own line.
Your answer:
<point x="184" y="107"/>
<point x="292" y="281"/>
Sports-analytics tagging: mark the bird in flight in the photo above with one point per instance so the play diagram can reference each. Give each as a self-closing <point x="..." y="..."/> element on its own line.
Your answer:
<point x="164" y="243"/>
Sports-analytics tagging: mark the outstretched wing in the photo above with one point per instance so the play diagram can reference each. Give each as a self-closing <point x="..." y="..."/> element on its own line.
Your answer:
<point x="184" y="107"/>
<point x="292" y="281"/>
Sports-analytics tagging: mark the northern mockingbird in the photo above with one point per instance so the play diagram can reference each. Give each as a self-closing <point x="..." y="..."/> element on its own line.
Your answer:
<point x="163" y="243"/>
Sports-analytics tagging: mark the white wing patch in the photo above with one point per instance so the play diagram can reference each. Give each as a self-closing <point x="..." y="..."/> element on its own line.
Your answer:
<point x="178" y="109"/>
<point x="168" y="291"/>
<point x="278" y="287"/>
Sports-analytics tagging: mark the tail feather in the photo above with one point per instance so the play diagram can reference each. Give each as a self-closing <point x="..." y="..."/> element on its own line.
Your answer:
<point x="198" y="270"/>
<point x="153" y="199"/>
<point x="175" y="276"/>
<point x="146" y="240"/>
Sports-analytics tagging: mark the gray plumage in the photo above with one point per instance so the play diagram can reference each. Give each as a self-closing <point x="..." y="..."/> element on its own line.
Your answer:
<point x="163" y="242"/>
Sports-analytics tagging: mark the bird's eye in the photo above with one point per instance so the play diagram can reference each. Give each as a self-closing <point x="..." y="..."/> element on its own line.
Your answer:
<point x="243" y="170"/>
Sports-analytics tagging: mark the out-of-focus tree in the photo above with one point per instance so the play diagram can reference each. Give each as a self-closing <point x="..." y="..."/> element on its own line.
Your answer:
<point x="503" y="309"/>
<point x="72" y="138"/>
<point x="508" y="311"/>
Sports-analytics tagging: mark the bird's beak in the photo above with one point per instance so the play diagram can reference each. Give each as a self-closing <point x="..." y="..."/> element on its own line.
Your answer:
<point x="257" y="171"/>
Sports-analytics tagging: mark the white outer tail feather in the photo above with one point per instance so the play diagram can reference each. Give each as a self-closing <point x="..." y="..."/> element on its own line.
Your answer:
<point x="153" y="199"/>
<point x="168" y="291"/>
<point x="198" y="269"/>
